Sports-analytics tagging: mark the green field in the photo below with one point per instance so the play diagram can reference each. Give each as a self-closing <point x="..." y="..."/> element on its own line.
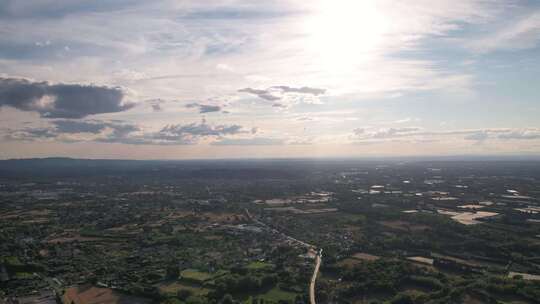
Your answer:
<point x="195" y="275"/>
<point x="172" y="288"/>
<point x="273" y="295"/>
<point x="259" y="265"/>
<point x="23" y="275"/>
<point x="12" y="261"/>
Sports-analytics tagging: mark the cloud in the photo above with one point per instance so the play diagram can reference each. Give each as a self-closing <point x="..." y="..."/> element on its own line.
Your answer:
<point x="61" y="100"/>
<point x="57" y="8"/>
<point x="230" y="14"/>
<point x="420" y="135"/>
<point x="192" y="50"/>
<point x="182" y="35"/>
<point x="126" y="133"/>
<point x="156" y="104"/>
<point x="175" y="134"/>
<point x="73" y="126"/>
<point x="30" y="134"/>
<point x="406" y="120"/>
<point x="286" y="95"/>
<point x="302" y="90"/>
<point x="263" y="94"/>
<point x="394" y="132"/>
<point x="180" y="134"/>
<point x="76" y="130"/>
<point x="300" y="141"/>
<point x="204" y="108"/>
<point x="359" y="131"/>
<point x="69" y="131"/>
<point x="522" y="33"/>
<point x="304" y="118"/>
<point x="478" y="136"/>
<point x="198" y="130"/>
<point x="523" y="134"/>
<point x="256" y="141"/>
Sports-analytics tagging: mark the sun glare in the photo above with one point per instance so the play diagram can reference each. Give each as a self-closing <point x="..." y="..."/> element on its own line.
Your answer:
<point x="344" y="33"/>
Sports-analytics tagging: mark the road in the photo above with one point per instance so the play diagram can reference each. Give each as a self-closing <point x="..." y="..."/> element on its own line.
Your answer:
<point x="318" y="261"/>
<point x="318" y="258"/>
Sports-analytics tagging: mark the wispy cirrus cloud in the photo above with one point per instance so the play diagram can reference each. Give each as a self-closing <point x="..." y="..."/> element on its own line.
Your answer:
<point x="523" y="33"/>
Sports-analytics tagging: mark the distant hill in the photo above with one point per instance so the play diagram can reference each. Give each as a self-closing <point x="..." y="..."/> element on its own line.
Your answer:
<point x="250" y="168"/>
<point x="69" y="167"/>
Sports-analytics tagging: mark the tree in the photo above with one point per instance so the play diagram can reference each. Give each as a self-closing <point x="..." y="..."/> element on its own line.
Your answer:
<point x="183" y="294"/>
<point x="173" y="271"/>
<point x="227" y="299"/>
<point x="268" y="280"/>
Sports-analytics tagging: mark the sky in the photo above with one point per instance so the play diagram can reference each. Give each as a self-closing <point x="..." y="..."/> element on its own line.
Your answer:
<point x="136" y="79"/>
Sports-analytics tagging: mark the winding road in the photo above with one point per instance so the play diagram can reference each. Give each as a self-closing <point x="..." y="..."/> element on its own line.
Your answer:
<point x="318" y="258"/>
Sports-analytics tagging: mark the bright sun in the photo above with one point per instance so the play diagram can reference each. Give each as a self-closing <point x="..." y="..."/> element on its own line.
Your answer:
<point x="344" y="33"/>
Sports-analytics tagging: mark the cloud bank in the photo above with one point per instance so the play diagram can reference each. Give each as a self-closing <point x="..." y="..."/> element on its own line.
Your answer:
<point x="126" y="133"/>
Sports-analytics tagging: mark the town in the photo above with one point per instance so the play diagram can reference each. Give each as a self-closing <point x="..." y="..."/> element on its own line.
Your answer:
<point x="269" y="231"/>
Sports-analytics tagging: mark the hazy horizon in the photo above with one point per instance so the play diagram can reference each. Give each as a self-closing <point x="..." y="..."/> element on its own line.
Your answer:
<point x="381" y="158"/>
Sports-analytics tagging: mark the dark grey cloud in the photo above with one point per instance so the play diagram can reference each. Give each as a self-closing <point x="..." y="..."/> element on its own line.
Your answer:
<point x="263" y="94"/>
<point x="204" y="108"/>
<point x="302" y="90"/>
<point x="61" y="100"/>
